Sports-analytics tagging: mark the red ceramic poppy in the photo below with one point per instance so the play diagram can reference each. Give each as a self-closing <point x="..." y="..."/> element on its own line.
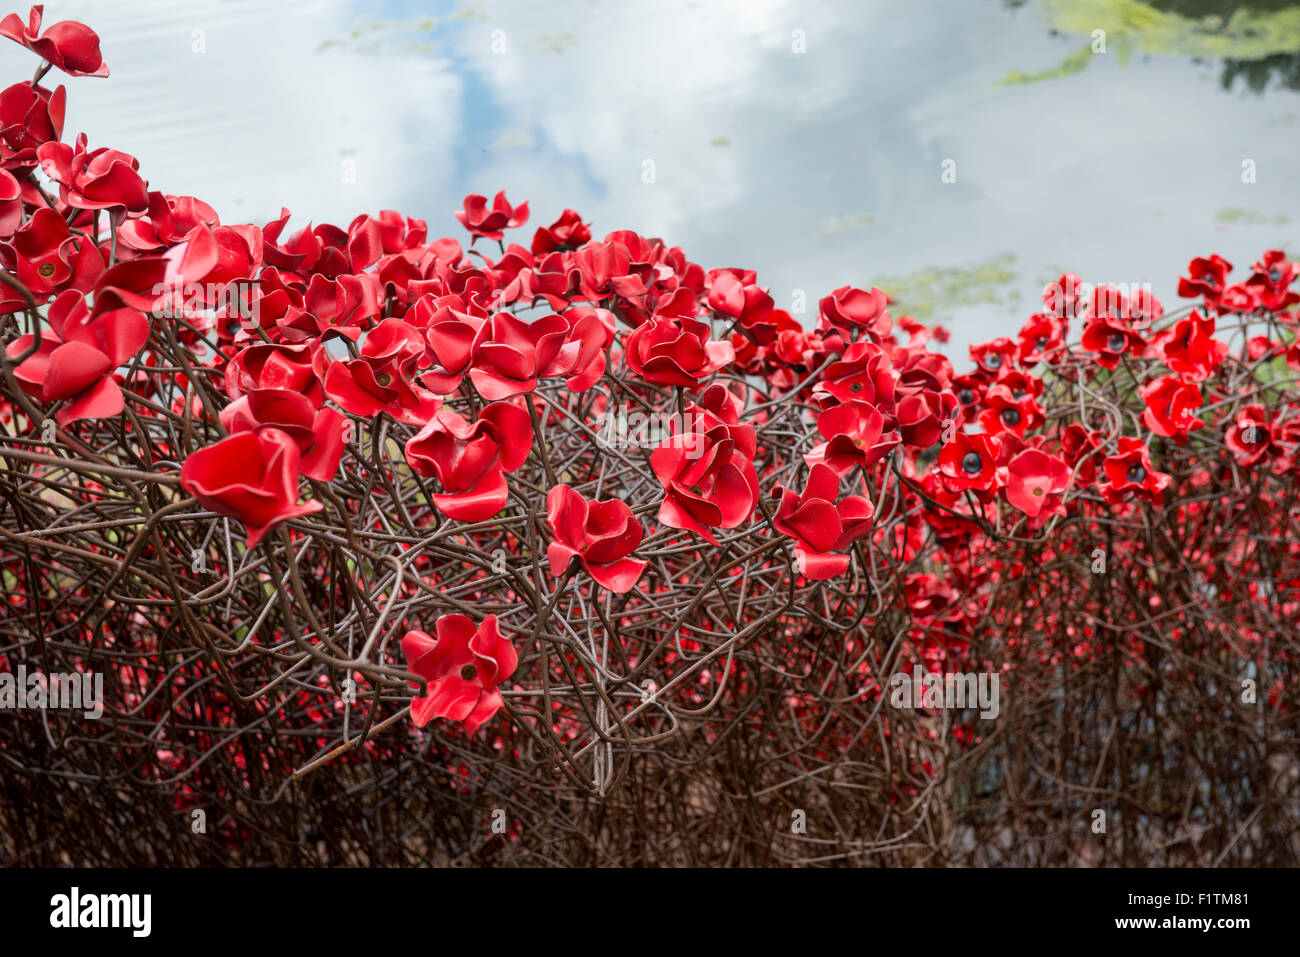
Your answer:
<point x="30" y="116"/>
<point x="707" y="482"/>
<point x="1035" y="483"/>
<point x="969" y="462"/>
<point x="675" y="351"/>
<point x="601" y="534"/>
<point x="1189" y="347"/>
<point x="855" y="435"/>
<point x="1250" y="437"/>
<point x="318" y="433"/>
<point x="462" y="667"/>
<point x="472" y="459"/>
<point x="819" y="525"/>
<point x="858" y="309"/>
<point x="1171" y="404"/>
<point x="1129" y="473"/>
<point x="511" y="354"/>
<point x="488" y="223"/>
<point x="77" y="357"/>
<point x="71" y="46"/>
<point x="102" y="179"/>
<point x="567" y="232"/>
<point x="251" y="477"/>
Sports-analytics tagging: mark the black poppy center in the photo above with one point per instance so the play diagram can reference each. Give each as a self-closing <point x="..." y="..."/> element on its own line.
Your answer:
<point x="971" y="463"/>
<point x="46" y="270"/>
<point x="468" y="673"/>
<point x="966" y="396"/>
<point x="1116" y="342"/>
<point x="1136" y="474"/>
<point x="1011" y="416"/>
<point x="993" y="361"/>
<point x="383" y="378"/>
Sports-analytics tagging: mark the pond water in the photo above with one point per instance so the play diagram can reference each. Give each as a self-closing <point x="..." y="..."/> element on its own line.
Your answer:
<point x="808" y="141"/>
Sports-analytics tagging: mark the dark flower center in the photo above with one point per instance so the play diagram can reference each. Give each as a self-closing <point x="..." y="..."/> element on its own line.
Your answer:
<point x="856" y="387"/>
<point x="1116" y="342"/>
<point x="1136" y="474"/>
<point x="46" y="270"/>
<point x="1011" y="416"/>
<point x="468" y="673"/>
<point x="1040" y="343"/>
<point x="1275" y="275"/>
<point x="383" y="378"/>
<point x="993" y="361"/>
<point x="1209" y="281"/>
<point x="971" y="463"/>
<point x="966" y="396"/>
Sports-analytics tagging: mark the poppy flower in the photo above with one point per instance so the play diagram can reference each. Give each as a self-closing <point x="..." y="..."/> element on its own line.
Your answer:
<point x="969" y="390"/>
<point x="169" y="220"/>
<point x="1129" y="472"/>
<point x="1171" y="402"/>
<point x="591" y="332"/>
<point x="71" y="46"/>
<point x="381" y="379"/>
<point x="1063" y="298"/>
<point x="44" y="252"/>
<point x="318" y="433"/>
<point x="735" y="294"/>
<point x="250" y="476"/>
<point x="707" y="482"/>
<point x="1272" y="276"/>
<point x="30" y="116"/>
<point x="276" y="366"/>
<point x="819" y="525"/>
<point x="1004" y="412"/>
<point x="567" y="232"/>
<point x="1240" y="297"/>
<point x="1189" y="347"/>
<point x="606" y="269"/>
<point x="1078" y="445"/>
<point x="1041" y="338"/>
<point x="1035" y="482"/>
<point x="600" y="533"/>
<point x="991" y="358"/>
<point x="1250" y="436"/>
<point x="854" y="435"/>
<point x="462" y="668"/>
<point x="77" y="356"/>
<point x="101" y="179"/>
<point x="11" y="204"/>
<point x="449" y="336"/>
<point x="471" y="459"/>
<point x="864" y="372"/>
<point x="849" y="308"/>
<point x="719" y="406"/>
<point x="510" y="354"/>
<point x="922" y="418"/>
<point x="1111" y="339"/>
<point x="488" y="223"/>
<point x="675" y="351"/>
<point x="969" y="462"/>
<point x="1207" y="277"/>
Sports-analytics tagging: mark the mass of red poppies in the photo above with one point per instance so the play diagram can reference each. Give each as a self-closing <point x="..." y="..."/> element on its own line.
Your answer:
<point x="484" y="366"/>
